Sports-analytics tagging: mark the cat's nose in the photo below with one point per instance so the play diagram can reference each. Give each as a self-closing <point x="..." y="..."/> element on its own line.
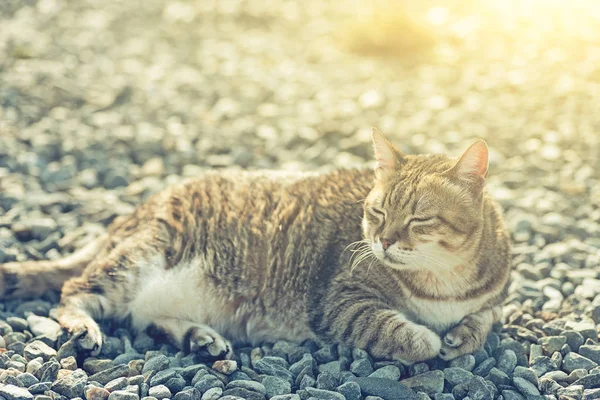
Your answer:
<point x="386" y="243"/>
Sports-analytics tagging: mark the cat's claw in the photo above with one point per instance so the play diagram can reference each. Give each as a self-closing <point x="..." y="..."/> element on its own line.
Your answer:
<point x="88" y="337"/>
<point x="452" y="340"/>
<point x="456" y="343"/>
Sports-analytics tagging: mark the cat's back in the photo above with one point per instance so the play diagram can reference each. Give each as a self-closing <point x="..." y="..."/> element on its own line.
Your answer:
<point x="265" y="195"/>
<point x="257" y="223"/>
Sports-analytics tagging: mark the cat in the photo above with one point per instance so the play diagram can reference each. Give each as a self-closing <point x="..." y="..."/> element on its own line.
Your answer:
<point x="408" y="262"/>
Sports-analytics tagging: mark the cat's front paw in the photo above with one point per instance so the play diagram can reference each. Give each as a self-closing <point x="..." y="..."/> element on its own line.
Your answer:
<point x="459" y="341"/>
<point x="417" y="343"/>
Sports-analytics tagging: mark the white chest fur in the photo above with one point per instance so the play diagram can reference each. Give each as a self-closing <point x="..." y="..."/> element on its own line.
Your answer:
<point x="440" y="315"/>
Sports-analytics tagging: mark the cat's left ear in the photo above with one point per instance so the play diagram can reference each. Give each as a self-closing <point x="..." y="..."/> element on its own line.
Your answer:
<point x="472" y="167"/>
<point x="387" y="155"/>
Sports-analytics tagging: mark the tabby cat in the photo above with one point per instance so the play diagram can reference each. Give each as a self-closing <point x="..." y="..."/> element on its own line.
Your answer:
<point x="409" y="263"/>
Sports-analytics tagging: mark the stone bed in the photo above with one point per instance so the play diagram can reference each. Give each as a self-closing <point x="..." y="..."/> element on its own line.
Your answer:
<point x="104" y="103"/>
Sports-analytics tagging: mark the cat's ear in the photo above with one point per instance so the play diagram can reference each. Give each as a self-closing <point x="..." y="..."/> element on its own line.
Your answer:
<point x="472" y="167"/>
<point x="388" y="157"/>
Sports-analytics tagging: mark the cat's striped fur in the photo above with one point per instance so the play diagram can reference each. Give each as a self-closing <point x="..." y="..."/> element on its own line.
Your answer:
<point x="391" y="263"/>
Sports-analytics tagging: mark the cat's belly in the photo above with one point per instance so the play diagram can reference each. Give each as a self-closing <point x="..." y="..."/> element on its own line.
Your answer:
<point x="184" y="292"/>
<point x="442" y="315"/>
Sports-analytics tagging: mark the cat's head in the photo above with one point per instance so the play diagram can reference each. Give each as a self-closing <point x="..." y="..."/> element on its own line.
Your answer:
<point x="425" y="211"/>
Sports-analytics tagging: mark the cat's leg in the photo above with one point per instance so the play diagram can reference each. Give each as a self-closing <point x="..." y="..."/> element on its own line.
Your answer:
<point x="470" y="333"/>
<point x="193" y="337"/>
<point x="103" y="291"/>
<point x="79" y="311"/>
<point x="357" y="317"/>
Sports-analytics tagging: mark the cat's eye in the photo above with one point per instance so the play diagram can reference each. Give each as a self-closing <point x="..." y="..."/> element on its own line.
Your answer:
<point x="377" y="212"/>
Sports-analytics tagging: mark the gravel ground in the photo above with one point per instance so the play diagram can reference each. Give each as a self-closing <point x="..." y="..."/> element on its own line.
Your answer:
<point x="104" y="103"/>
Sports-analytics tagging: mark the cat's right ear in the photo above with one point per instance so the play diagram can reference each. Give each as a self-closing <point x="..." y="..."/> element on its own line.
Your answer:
<point x="386" y="154"/>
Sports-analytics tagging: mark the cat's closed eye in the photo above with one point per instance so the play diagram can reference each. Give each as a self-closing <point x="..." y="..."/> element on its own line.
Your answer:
<point x="422" y="220"/>
<point x="376" y="213"/>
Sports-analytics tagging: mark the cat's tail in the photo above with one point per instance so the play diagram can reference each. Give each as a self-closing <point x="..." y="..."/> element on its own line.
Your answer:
<point x="34" y="278"/>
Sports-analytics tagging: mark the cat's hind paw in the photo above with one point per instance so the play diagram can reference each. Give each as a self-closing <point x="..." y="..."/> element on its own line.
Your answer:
<point x="88" y="336"/>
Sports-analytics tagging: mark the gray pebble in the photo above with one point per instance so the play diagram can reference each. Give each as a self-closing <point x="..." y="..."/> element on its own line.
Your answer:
<point x="71" y="384"/>
<point x="27" y="379"/>
<point x="551" y="344"/>
<point x="326" y="381"/>
<point x="243" y="393"/>
<point x="417" y="369"/>
<point x="158" y="363"/>
<point x="388" y="372"/>
<point x="37" y="348"/>
<point x="498" y="377"/>
<point x="11" y="392"/>
<point x="117" y="384"/>
<point x="527" y="374"/>
<point x="307" y="381"/>
<point x="526" y="387"/>
<point x="206" y="382"/>
<point x="93" y="366"/>
<point x="590" y="351"/>
<point x="123" y="395"/>
<point x="574" y="339"/>
<point x="274" y="366"/>
<point x="212" y="394"/>
<point x="571" y="392"/>
<point x="573" y="361"/>
<point x="109" y="374"/>
<point x="43" y="326"/>
<point x="250" y="385"/>
<point x="466" y="362"/>
<point x="512" y="395"/>
<point x="333" y="367"/>
<point x="40" y="388"/>
<point x="17" y="324"/>
<point x="507" y="362"/>
<point x="589" y="382"/>
<point x="559" y="376"/>
<point x="485" y="367"/>
<point x="326" y="354"/>
<point x="543" y="364"/>
<point x="307" y="360"/>
<point x="286" y="397"/>
<point x="350" y="390"/>
<point x="455" y="376"/>
<point x="576" y="374"/>
<point x="361" y="367"/>
<point x="325" y="394"/>
<point x="590" y="394"/>
<point x="188" y="394"/>
<point x="276" y="386"/>
<point x="478" y="390"/>
<point x="160" y="392"/>
<point x="48" y="371"/>
<point x="428" y="382"/>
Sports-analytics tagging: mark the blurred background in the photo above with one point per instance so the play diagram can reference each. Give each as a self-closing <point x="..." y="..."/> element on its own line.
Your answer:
<point x="103" y="103"/>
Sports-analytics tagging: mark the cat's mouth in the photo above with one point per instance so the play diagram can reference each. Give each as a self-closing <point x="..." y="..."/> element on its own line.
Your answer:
<point x="390" y="260"/>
